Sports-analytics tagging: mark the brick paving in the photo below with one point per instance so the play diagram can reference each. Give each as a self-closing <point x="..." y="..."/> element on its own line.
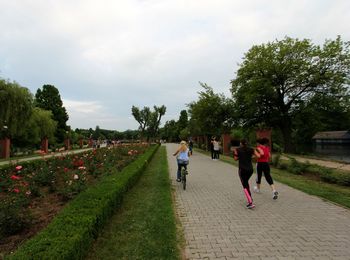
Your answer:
<point x="217" y="225"/>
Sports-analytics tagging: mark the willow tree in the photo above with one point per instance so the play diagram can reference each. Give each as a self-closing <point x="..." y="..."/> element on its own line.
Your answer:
<point x="274" y="79"/>
<point x="16" y="107"/>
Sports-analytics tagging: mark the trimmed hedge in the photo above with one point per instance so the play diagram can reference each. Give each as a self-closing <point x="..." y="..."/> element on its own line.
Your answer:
<point x="71" y="233"/>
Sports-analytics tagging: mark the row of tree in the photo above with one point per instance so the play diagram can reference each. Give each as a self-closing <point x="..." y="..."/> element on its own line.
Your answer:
<point x="27" y="119"/>
<point x="293" y="86"/>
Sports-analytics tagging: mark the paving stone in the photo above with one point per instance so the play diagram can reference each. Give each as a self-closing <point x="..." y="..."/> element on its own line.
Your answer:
<point x="216" y="223"/>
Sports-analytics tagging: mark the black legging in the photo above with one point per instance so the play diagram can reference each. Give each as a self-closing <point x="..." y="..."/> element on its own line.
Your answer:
<point x="245" y="175"/>
<point x="263" y="167"/>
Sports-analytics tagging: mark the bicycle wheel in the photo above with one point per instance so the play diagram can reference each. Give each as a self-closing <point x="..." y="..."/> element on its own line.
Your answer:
<point x="183" y="178"/>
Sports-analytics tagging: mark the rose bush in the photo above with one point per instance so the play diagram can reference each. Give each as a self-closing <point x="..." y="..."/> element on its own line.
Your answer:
<point x="64" y="175"/>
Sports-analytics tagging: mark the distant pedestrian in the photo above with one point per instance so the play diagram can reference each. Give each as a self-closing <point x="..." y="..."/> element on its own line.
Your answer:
<point x="216" y="147"/>
<point x="190" y="146"/>
<point x="212" y="147"/>
<point x="244" y="156"/>
<point x="263" y="166"/>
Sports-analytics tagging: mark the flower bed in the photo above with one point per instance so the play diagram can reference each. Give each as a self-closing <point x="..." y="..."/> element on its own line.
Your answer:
<point x="32" y="193"/>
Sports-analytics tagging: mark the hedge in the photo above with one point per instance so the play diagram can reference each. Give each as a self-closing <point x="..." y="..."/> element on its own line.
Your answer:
<point x="72" y="231"/>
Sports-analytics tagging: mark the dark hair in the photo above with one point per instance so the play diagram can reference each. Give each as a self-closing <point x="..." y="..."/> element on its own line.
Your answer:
<point x="263" y="141"/>
<point x="244" y="142"/>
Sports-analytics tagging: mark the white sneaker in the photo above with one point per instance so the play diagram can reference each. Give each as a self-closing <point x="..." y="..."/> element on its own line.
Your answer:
<point x="256" y="190"/>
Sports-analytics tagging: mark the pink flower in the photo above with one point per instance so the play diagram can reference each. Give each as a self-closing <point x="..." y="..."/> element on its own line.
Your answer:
<point x="15" y="178"/>
<point x="82" y="168"/>
<point x="15" y="190"/>
<point x="18" y="168"/>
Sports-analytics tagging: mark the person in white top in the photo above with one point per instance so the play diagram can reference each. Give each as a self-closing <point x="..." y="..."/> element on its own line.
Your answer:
<point x="216" y="149"/>
<point x="183" y="154"/>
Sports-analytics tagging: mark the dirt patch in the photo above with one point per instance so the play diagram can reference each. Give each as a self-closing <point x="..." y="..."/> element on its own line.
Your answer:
<point x="43" y="210"/>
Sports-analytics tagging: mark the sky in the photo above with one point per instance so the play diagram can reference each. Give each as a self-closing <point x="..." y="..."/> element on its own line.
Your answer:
<point x="104" y="56"/>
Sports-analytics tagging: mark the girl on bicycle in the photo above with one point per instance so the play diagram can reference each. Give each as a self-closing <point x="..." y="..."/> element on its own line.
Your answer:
<point x="183" y="155"/>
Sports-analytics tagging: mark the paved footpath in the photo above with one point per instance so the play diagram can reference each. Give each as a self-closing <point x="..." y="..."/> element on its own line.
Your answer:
<point x="217" y="225"/>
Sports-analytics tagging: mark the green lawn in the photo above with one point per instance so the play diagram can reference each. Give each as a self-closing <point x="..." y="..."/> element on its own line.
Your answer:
<point x="145" y="226"/>
<point x="331" y="192"/>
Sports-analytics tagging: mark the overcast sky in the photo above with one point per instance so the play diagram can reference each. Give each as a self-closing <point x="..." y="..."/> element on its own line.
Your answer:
<point x="106" y="55"/>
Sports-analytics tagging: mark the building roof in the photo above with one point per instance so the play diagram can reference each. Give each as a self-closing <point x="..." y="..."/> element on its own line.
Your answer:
<point x="332" y="135"/>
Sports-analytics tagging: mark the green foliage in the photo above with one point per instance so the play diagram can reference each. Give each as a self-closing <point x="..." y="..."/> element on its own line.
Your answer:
<point x="148" y="120"/>
<point x="71" y="233"/>
<point x="210" y="114"/>
<point x="237" y="134"/>
<point x="276" y="160"/>
<point x="13" y="215"/>
<point x="278" y="79"/>
<point x="296" y="167"/>
<point x="49" y="99"/>
<point x="145" y="228"/>
<point x="16" y="107"/>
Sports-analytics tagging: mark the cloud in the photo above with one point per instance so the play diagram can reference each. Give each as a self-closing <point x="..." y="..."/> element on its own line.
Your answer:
<point x="147" y="52"/>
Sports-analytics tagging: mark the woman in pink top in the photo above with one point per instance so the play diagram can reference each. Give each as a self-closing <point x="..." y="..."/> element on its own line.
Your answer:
<point x="264" y="167"/>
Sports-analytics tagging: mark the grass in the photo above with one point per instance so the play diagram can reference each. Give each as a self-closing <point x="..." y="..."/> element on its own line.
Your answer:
<point x="145" y="226"/>
<point x="331" y="192"/>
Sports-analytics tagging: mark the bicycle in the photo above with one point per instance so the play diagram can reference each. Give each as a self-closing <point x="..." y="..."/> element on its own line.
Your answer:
<point x="184" y="172"/>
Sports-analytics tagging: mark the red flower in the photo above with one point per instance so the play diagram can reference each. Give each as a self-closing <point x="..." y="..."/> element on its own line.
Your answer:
<point x="15" y="190"/>
<point x="66" y="169"/>
<point x="15" y="178"/>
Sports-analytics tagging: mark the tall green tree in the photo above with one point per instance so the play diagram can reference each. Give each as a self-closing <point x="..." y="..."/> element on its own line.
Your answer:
<point x="49" y="98"/>
<point x="16" y="107"/>
<point x="40" y="125"/>
<point x="276" y="78"/>
<point x="169" y="131"/>
<point x="183" y="120"/>
<point x="142" y="117"/>
<point x="148" y="120"/>
<point x="210" y="114"/>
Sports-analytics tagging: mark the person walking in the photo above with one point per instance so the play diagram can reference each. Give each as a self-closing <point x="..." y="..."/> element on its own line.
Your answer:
<point x="212" y="148"/>
<point x="244" y="155"/>
<point x="216" y="148"/>
<point x="183" y="155"/>
<point x="263" y="167"/>
<point x="190" y="146"/>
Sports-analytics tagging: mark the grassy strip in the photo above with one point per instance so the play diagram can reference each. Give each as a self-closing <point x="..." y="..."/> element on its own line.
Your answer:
<point x="71" y="233"/>
<point x="145" y="227"/>
<point x="332" y="192"/>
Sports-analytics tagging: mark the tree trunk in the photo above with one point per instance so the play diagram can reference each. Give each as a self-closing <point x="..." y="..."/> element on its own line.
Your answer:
<point x="287" y="136"/>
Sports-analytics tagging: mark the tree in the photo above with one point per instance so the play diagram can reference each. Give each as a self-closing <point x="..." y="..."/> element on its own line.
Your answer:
<point x="277" y="78"/>
<point x="149" y="120"/>
<point x="142" y="117"/>
<point x="170" y="131"/>
<point x="154" y="121"/>
<point x="210" y="114"/>
<point x="49" y="99"/>
<point x="40" y="125"/>
<point x="183" y="120"/>
<point x="16" y="107"/>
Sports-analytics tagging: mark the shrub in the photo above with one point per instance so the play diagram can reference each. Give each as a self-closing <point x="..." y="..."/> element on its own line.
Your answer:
<point x="71" y="233"/>
<point x="276" y="160"/>
<point x="13" y="216"/>
<point x="296" y="167"/>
